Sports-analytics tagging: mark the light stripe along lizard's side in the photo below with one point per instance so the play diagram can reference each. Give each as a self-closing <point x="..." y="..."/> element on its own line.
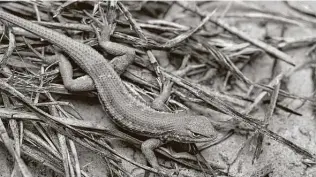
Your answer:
<point x="125" y="110"/>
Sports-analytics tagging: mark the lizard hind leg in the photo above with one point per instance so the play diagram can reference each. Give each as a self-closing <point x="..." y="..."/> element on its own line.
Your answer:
<point x="124" y="55"/>
<point x="83" y="83"/>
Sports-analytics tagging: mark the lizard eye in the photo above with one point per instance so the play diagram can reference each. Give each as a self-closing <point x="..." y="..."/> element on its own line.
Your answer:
<point x="195" y="134"/>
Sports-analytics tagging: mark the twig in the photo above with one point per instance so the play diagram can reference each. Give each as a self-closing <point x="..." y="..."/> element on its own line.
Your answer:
<point x="75" y="156"/>
<point x="139" y="32"/>
<point x="268" y="48"/>
<point x="306" y="10"/>
<point x="175" y="41"/>
<point x="31" y="137"/>
<point x="222" y="58"/>
<point x="11" y="47"/>
<point x="296" y="42"/>
<point x="268" y="117"/>
<point x="274" y="82"/>
<point x="13" y="124"/>
<point x="64" y="153"/>
<point x="255" y="15"/>
<point x="8" y="144"/>
<point x="219" y="104"/>
<point x="61" y="7"/>
<point x="60" y="126"/>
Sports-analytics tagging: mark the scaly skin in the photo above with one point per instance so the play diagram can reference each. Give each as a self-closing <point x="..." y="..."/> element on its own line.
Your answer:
<point x="126" y="111"/>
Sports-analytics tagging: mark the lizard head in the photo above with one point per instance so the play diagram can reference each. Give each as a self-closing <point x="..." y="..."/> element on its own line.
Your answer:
<point x="195" y="129"/>
<point x="201" y="129"/>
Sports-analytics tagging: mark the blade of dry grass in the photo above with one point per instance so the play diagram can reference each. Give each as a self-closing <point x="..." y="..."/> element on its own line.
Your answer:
<point x="64" y="153"/>
<point x="268" y="117"/>
<point x="62" y="6"/>
<point x="15" y="152"/>
<point x="75" y="157"/>
<point x="222" y="106"/>
<point x="306" y="10"/>
<point x="60" y="126"/>
<point x="15" y="133"/>
<point x="222" y="58"/>
<point x="268" y="48"/>
<point x="40" y="142"/>
<point x="275" y="18"/>
<point x="8" y="144"/>
<point x="11" y="47"/>
<point x="141" y="35"/>
<point x="175" y="41"/>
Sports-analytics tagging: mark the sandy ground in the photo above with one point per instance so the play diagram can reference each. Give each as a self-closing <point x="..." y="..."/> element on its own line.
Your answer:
<point x="286" y="163"/>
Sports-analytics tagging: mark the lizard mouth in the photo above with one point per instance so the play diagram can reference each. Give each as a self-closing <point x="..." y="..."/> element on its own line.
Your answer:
<point x="183" y="139"/>
<point x="204" y="139"/>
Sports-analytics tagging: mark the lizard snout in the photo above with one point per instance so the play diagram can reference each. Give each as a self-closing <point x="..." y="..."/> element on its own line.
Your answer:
<point x="201" y="129"/>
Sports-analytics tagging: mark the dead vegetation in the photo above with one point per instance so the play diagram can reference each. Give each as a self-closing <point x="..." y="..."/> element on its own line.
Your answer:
<point x="189" y="58"/>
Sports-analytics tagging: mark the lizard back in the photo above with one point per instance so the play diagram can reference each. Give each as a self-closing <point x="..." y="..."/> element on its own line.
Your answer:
<point x="125" y="110"/>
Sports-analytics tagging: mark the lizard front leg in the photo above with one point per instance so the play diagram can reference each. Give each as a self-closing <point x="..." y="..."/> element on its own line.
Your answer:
<point x="148" y="148"/>
<point x="124" y="55"/>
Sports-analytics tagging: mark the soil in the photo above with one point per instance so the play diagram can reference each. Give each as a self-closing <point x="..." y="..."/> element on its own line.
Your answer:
<point x="299" y="129"/>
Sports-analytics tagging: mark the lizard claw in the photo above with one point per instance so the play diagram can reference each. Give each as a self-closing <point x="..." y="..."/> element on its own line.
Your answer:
<point x="106" y="30"/>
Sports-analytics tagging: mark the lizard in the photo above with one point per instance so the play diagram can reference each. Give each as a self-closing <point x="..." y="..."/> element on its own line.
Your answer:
<point x="126" y="111"/>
